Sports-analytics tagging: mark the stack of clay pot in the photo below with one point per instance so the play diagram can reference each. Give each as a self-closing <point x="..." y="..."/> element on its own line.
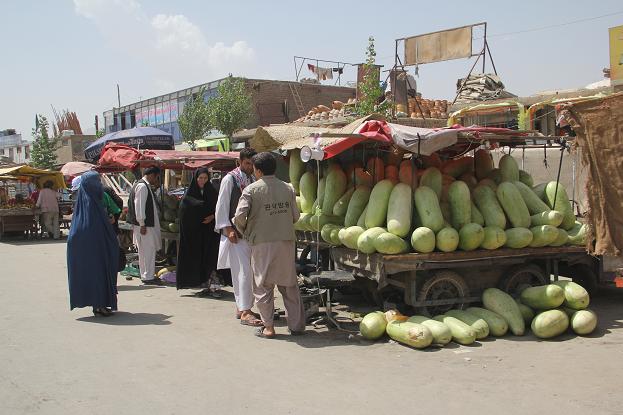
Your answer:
<point x="428" y="108"/>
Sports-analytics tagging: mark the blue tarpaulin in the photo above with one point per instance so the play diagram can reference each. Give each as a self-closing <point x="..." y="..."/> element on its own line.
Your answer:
<point x="137" y="137"/>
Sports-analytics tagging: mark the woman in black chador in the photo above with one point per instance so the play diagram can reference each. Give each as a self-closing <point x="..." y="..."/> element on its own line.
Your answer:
<point x="198" y="250"/>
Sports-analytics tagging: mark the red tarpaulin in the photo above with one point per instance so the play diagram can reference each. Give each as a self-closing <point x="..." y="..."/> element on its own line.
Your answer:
<point x="371" y="130"/>
<point x="120" y="157"/>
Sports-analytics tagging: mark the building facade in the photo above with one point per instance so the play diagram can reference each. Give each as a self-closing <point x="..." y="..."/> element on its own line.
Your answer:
<point x="71" y="147"/>
<point x="13" y="148"/>
<point x="274" y="102"/>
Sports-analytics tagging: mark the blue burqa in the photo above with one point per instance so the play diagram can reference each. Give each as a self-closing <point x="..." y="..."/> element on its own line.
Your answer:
<point x="92" y="249"/>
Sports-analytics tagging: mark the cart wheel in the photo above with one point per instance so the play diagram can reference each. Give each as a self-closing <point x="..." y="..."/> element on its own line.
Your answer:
<point x="585" y="276"/>
<point x="521" y="275"/>
<point x="443" y="285"/>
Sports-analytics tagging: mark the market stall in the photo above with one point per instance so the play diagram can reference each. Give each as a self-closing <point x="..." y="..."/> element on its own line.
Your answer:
<point x="181" y="164"/>
<point x="357" y="196"/>
<point x="18" y="213"/>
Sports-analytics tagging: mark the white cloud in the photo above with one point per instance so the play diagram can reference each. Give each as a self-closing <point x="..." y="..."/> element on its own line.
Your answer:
<point x="171" y="48"/>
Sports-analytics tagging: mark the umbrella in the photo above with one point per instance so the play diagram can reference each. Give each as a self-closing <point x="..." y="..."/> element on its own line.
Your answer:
<point x="76" y="168"/>
<point x="137" y="137"/>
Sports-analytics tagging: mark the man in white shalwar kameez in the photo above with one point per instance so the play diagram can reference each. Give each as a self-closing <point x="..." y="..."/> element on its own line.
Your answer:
<point x="234" y="251"/>
<point x="143" y="214"/>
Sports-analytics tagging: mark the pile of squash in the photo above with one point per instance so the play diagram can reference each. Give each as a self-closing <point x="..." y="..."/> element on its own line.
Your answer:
<point x="549" y="310"/>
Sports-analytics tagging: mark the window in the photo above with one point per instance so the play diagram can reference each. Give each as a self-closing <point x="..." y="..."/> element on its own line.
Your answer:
<point x="11" y="154"/>
<point x="27" y="152"/>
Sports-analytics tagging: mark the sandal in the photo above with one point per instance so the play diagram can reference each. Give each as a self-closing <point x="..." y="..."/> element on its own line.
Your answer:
<point x="104" y="312"/>
<point x="253" y="322"/>
<point x="260" y="333"/>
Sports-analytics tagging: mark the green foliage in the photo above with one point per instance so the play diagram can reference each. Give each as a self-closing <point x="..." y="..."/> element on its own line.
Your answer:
<point x="232" y="107"/>
<point x="100" y="133"/>
<point x="370" y="88"/>
<point x="43" y="154"/>
<point x="195" y="122"/>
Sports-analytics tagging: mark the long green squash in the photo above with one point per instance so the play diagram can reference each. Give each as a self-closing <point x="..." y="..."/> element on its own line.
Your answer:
<point x="441" y="333"/>
<point x="533" y="202"/>
<point x="378" y="203"/>
<point x="365" y="242"/>
<point x="308" y="186"/>
<point x="487" y="202"/>
<point x="503" y="304"/>
<point x="335" y="187"/>
<point x="296" y="168"/>
<point x="509" y="170"/>
<point x="550" y="324"/>
<point x="477" y="323"/>
<point x="399" y="210"/>
<point x="432" y="179"/>
<point x="428" y="209"/>
<point x="497" y="325"/>
<point x="356" y="205"/>
<point x="513" y="205"/>
<point x="461" y="333"/>
<point x="341" y="206"/>
<point x="423" y="240"/>
<point x="409" y="333"/>
<point x="559" y="200"/>
<point x="460" y="204"/>
<point x="389" y="244"/>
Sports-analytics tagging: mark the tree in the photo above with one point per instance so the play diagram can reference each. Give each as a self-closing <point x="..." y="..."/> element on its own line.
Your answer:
<point x="232" y="107"/>
<point x="370" y="88"/>
<point x="100" y="133"/>
<point x="43" y="154"/>
<point x="195" y="120"/>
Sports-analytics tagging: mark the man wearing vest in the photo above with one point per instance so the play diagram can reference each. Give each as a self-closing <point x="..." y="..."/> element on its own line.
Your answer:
<point x="266" y="214"/>
<point x="234" y="251"/>
<point x="143" y="214"/>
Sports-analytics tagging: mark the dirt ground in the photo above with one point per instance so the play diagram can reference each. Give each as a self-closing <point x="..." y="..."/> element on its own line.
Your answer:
<point x="168" y="352"/>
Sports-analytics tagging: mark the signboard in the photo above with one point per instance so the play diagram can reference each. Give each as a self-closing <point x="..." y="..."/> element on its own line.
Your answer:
<point x="616" y="54"/>
<point x="159" y="115"/>
<point x="174" y="110"/>
<point x="439" y="46"/>
<point x="152" y="115"/>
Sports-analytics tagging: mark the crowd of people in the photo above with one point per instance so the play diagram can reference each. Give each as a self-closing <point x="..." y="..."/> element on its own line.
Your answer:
<point x="245" y="228"/>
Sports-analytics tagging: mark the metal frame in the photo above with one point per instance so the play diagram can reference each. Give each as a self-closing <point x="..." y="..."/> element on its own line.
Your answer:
<point x="298" y="69"/>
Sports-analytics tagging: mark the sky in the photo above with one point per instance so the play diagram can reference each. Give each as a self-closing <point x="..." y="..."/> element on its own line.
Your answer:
<point x="71" y="54"/>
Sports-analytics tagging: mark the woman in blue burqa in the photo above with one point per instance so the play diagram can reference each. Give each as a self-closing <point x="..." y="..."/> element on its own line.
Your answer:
<point x="92" y="251"/>
<point x="198" y="251"/>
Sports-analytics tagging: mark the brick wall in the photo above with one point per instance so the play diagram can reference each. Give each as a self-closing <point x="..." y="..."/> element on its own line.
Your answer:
<point x="269" y="98"/>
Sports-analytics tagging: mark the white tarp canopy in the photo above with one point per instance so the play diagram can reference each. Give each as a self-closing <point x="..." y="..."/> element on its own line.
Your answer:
<point x="423" y="141"/>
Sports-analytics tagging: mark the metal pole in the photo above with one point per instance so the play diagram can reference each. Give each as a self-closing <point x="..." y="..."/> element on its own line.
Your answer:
<point x="562" y="153"/>
<point x="118" y="97"/>
<point x="484" y="49"/>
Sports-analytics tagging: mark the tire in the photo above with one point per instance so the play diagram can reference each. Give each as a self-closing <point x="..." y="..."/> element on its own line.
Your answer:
<point x="525" y="274"/>
<point x="585" y="276"/>
<point x="443" y="284"/>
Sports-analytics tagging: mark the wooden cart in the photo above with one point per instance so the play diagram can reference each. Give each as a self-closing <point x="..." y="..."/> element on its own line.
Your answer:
<point x="24" y="220"/>
<point x="438" y="281"/>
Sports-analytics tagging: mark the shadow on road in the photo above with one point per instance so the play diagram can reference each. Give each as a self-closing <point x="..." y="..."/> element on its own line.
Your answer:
<point x="122" y="318"/>
<point x="34" y="241"/>
<point x="138" y="287"/>
<point x="225" y="296"/>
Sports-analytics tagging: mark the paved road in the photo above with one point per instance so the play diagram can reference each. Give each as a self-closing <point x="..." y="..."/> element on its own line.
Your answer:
<point x="170" y="353"/>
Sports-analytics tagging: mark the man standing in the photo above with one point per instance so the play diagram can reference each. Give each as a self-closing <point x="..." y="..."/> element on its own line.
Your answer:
<point x="266" y="214"/>
<point x="234" y="252"/>
<point x="47" y="201"/>
<point x="143" y="214"/>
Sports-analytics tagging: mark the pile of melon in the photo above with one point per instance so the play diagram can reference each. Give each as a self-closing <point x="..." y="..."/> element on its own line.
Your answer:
<point x="391" y="207"/>
<point x="549" y="311"/>
<point x="169" y="220"/>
